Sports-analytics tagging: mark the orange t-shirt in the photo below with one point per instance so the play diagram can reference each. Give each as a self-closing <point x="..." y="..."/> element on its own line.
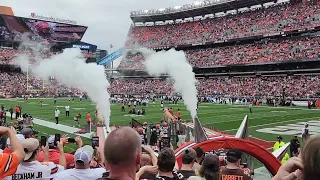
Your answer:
<point x="88" y="117"/>
<point x="17" y="109"/>
<point x="179" y="114"/>
<point x="54" y="157"/>
<point x="8" y="164"/>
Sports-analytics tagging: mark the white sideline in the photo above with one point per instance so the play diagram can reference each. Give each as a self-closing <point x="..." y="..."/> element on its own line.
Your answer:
<point x="60" y="127"/>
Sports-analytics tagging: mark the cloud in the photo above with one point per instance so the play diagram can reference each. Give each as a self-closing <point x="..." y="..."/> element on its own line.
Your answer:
<point x="108" y="21"/>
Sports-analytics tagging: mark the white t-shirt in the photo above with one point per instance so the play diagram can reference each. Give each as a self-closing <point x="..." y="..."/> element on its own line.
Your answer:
<point x="67" y="108"/>
<point x="79" y="174"/>
<point x="305" y="131"/>
<point x="35" y="170"/>
<point x="56" y="113"/>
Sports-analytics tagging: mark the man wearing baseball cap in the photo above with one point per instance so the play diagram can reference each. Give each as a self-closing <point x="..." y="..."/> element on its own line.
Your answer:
<point x="278" y="144"/>
<point x="82" y="159"/>
<point x="27" y="133"/>
<point x="30" y="168"/>
<point x="232" y="169"/>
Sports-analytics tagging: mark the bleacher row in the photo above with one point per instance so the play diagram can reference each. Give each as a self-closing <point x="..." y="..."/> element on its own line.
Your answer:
<point x="274" y="19"/>
<point x="14" y="85"/>
<point x="259" y="52"/>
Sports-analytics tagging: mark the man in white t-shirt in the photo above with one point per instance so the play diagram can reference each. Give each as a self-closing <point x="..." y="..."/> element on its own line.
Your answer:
<point x="82" y="159"/>
<point x="30" y="168"/>
<point x="56" y="115"/>
<point x="67" y="110"/>
<point x="305" y="133"/>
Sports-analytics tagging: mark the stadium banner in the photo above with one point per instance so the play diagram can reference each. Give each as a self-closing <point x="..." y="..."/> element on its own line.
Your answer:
<point x="111" y="57"/>
<point x="85" y="46"/>
<point x="38" y="30"/>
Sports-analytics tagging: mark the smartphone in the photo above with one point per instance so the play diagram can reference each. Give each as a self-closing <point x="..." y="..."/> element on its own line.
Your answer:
<point x="43" y="141"/>
<point x="95" y="142"/>
<point x="57" y="137"/>
<point x="71" y="140"/>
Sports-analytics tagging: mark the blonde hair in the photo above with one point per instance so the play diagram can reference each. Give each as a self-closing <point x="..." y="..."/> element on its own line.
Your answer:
<point x="311" y="159"/>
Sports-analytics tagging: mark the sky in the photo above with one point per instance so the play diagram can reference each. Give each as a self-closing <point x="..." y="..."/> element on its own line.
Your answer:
<point x="108" y="21"/>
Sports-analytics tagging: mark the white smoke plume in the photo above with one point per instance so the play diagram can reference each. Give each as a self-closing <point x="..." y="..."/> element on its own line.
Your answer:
<point x="175" y="64"/>
<point x="70" y="69"/>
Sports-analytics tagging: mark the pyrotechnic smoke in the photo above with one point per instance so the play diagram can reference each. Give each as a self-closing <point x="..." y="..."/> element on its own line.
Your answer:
<point x="174" y="63"/>
<point x="70" y="69"/>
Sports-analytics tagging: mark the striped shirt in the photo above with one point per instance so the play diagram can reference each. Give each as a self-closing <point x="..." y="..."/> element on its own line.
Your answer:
<point x="8" y="164"/>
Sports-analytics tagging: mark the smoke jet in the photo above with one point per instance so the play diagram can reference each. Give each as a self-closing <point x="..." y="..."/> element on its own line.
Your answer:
<point x="175" y="64"/>
<point x="70" y="69"/>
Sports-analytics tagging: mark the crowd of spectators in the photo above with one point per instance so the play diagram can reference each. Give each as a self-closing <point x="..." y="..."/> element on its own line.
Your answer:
<point x="262" y="21"/>
<point x="70" y="29"/>
<point x="260" y="52"/>
<point x="17" y="85"/>
<point x="295" y="86"/>
<point x="125" y="157"/>
<point x="8" y="54"/>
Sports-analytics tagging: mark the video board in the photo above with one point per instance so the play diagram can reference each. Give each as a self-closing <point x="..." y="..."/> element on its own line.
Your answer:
<point x="14" y="28"/>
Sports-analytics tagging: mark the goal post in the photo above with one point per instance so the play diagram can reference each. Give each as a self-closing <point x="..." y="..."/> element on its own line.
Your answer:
<point x="30" y="86"/>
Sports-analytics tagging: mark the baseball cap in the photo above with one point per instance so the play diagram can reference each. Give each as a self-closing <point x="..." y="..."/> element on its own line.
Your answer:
<point x="29" y="145"/>
<point x="233" y="155"/>
<point x="84" y="154"/>
<point x="27" y="132"/>
<point x="211" y="162"/>
<point x="20" y="138"/>
<point x="279" y="137"/>
<point x="189" y="156"/>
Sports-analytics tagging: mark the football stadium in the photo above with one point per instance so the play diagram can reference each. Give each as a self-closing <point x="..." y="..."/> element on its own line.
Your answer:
<point x="215" y="90"/>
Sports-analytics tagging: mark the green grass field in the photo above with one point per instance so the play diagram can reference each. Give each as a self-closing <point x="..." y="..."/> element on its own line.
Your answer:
<point x="226" y="118"/>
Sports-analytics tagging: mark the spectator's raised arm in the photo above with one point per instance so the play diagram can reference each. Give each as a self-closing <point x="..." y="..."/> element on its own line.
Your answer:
<point x="9" y="162"/>
<point x="62" y="157"/>
<point x="16" y="146"/>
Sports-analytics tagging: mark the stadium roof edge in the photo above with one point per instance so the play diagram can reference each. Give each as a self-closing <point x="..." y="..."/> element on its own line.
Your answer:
<point x="200" y="11"/>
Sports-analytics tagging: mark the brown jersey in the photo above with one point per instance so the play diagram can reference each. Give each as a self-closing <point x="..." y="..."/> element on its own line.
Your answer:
<point x="234" y="174"/>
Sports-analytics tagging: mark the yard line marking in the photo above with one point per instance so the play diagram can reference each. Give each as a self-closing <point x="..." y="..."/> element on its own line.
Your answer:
<point x="60" y="127"/>
<point x="267" y="124"/>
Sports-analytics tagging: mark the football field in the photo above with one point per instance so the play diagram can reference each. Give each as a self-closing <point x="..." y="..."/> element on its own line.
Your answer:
<point x="265" y="122"/>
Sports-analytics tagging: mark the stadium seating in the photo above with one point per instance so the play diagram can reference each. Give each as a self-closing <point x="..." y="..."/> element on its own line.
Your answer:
<point x="260" y="52"/>
<point x="265" y="21"/>
<point x="296" y="86"/>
